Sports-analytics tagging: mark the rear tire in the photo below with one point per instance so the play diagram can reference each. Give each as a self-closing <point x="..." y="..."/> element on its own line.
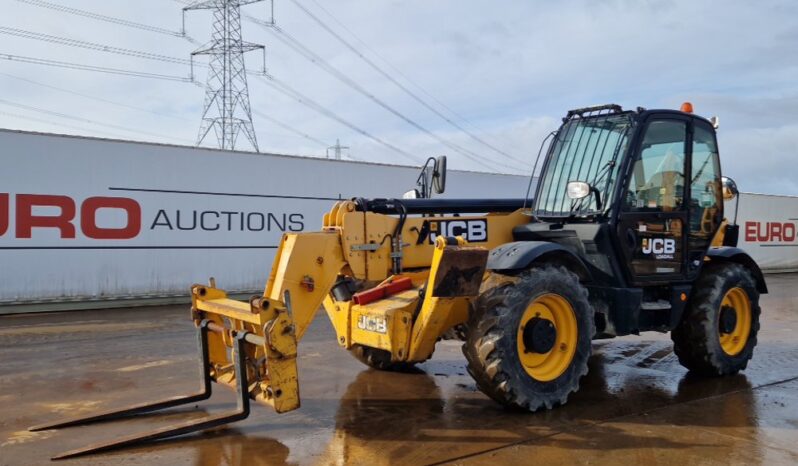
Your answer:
<point x="379" y="359"/>
<point x="497" y="346"/>
<point x="699" y="342"/>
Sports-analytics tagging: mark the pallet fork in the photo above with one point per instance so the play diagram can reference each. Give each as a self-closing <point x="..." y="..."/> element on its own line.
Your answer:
<point x="241" y="340"/>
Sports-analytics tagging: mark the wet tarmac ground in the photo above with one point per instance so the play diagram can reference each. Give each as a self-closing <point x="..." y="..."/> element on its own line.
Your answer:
<point x="636" y="406"/>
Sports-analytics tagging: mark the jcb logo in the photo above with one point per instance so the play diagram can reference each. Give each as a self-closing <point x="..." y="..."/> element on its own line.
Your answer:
<point x="372" y="324"/>
<point x="473" y="231"/>
<point x="662" y="248"/>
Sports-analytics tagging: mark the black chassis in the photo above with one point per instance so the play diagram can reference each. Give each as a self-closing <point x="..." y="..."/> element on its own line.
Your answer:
<point x="592" y="247"/>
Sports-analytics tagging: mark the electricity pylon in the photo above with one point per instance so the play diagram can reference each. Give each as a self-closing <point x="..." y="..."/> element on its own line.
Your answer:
<point x="227" y="111"/>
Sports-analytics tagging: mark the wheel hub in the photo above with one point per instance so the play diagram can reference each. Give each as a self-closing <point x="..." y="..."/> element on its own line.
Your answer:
<point x="539" y="335"/>
<point x="728" y="320"/>
<point x="547" y="337"/>
<point x="734" y="321"/>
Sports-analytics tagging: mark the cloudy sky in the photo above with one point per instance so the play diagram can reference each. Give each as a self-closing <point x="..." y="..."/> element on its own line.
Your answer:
<point x="503" y="71"/>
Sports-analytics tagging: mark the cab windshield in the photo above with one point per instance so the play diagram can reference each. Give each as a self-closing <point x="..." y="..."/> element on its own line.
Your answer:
<point x="585" y="149"/>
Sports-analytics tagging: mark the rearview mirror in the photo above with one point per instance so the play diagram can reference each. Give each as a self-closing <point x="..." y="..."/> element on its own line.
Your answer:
<point x="729" y="188"/>
<point x="439" y="175"/>
<point x="578" y="189"/>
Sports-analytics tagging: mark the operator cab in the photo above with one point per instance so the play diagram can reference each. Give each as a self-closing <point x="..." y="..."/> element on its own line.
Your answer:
<point x="645" y="183"/>
<point x="637" y="196"/>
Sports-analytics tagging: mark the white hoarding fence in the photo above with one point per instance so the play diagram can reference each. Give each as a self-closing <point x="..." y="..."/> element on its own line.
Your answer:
<point x="768" y="229"/>
<point x="86" y="219"/>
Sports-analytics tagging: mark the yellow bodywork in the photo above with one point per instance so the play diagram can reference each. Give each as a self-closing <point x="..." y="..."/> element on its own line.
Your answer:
<point x="445" y="275"/>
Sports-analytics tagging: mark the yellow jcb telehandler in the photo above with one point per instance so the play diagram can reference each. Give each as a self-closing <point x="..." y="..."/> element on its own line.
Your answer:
<point x="625" y="233"/>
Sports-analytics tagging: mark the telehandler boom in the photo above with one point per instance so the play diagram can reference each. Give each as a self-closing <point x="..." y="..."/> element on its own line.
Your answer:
<point x="625" y="234"/>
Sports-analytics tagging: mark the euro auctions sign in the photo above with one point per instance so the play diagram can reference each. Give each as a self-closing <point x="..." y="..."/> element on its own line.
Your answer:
<point x="770" y="232"/>
<point x="63" y="214"/>
<point x="768" y="229"/>
<point x="122" y="218"/>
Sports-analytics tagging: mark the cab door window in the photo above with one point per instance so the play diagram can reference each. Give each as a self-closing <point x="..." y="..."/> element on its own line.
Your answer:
<point x="706" y="202"/>
<point x="657" y="182"/>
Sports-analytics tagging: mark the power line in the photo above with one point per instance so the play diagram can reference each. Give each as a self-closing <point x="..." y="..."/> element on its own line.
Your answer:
<point x="290" y="128"/>
<point x="280" y="86"/>
<point x="92" y="97"/>
<point x="104" y="48"/>
<point x="79" y="128"/>
<point x="297" y="46"/>
<point x="122" y="51"/>
<point x="91" y="45"/>
<point x="276" y="84"/>
<point x="396" y="70"/>
<point x="304" y="100"/>
<point x="404" y="88"/>
<point x="109" y="49"/>
<point x="85" y="120"/>
<point x="119" y="104"/>
<point x="298" y="132"/>
<point x="105" y="18"/>
<point x="99" y="69"/>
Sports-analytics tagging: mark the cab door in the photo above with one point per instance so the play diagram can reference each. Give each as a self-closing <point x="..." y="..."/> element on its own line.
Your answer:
<point x="705" y="198"/>
<point x="653" y="218"/>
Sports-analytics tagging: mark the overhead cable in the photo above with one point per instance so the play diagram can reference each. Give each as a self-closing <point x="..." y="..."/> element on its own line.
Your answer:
<point x="99" y="69"/>
<point x="100" y="17"/>
<point x="85" y="120"/>
<point x="92" y="97"/>
<point x="391" y="78"/>
<point x="63" y="125"/>
<point x="91" y="45"/>
<point x="316" y="59"/>
<point x="287" y="90"/>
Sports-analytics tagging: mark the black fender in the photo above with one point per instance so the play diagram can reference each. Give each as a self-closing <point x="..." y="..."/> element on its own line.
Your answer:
<point x="738" y="256"/>
<point x="520" y="255"/>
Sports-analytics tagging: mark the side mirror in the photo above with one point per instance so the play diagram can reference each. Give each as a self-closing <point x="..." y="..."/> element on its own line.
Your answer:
<point x="578" y="190"/>
<point x="439" y="175"/>
<point x="412" y="194"/>
<point x="729" y="188"/>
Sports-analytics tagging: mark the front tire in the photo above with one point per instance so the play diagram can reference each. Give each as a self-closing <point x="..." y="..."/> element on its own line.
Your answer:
<point x="529" y="339"/>
<point x="717" y="333"/>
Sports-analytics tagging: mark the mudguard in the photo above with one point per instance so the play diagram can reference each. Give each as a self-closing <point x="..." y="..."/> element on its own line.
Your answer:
<point x="519" y="255"/>
<point x="737" y="255"/>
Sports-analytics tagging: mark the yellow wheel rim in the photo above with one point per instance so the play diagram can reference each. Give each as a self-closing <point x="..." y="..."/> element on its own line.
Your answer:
<point x="735" y="300"/>
<point x="547" y="366"/>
